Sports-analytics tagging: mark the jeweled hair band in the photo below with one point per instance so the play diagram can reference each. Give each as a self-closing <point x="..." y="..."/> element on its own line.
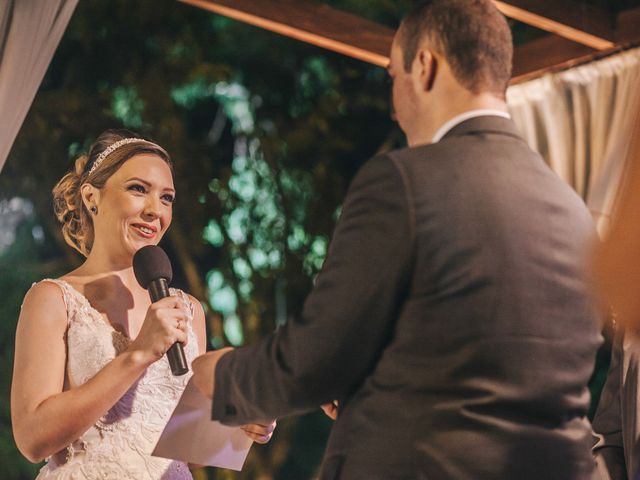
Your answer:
<point x="113" y="147"/>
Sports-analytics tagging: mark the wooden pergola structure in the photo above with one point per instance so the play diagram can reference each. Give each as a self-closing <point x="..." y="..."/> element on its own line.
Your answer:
<point x="577" y="31"/>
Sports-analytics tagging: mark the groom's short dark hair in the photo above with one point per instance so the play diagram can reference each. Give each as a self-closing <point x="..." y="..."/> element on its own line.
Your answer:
<point x="472" y="35"/>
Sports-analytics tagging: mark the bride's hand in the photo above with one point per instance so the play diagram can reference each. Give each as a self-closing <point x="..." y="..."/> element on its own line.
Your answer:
<point x="259" y="433"/>
<point x="164" y="325"/>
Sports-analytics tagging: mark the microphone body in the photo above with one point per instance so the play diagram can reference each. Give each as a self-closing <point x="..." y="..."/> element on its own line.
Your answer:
<point x="158" y="289"/>
<point x="152" y="269"/>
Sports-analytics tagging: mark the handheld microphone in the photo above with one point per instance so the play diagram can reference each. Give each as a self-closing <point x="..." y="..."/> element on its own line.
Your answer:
<point x="152" y="269"/>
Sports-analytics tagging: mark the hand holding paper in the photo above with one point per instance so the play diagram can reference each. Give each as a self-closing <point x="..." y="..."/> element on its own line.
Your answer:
<point x="191" y="436"/>
<point x="259" y="432"/>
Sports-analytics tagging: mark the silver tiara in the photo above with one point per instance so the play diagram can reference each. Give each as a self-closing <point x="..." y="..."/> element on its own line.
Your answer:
<point x="112" y="148"/>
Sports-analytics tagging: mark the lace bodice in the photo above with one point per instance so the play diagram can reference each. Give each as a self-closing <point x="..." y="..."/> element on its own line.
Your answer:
<point x="119" y="445"/>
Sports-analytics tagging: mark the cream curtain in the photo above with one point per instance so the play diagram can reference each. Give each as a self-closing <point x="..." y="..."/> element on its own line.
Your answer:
<point x="580" y="121"/>
<point x="30" y="31"/>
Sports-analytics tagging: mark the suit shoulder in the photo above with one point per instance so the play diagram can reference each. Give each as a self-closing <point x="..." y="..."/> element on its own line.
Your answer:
<point x="406" y="159"/>
<point x="380" y="167"/>
<point x="383" y="179"/>
<point x="378" y="162"/>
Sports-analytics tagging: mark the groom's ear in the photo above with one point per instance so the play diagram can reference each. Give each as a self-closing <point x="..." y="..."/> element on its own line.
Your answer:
<point x="426" y="68"/>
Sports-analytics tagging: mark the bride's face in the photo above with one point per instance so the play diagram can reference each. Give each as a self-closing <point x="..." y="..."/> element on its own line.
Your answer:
<point x="135" y="206"/>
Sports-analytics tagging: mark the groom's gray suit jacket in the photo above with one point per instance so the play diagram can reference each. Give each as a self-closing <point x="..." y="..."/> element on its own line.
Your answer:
<point x="450" y="319"/>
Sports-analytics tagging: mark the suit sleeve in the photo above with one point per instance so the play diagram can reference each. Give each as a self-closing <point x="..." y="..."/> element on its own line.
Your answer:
<point x="607" y="423"/>
<point x="346" y="321"/>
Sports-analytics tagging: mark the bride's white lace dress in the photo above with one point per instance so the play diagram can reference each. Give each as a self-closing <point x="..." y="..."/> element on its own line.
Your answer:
<point x="120" y="443"/>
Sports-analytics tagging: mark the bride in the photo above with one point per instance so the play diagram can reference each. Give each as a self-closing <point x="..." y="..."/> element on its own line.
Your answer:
<point x="92" y="388"/>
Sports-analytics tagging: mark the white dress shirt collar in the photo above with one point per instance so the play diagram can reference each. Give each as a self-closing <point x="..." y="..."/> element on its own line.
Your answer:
<point x="444" y="129"/>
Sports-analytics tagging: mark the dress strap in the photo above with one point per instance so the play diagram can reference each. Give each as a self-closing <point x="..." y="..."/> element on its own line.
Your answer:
<point x="68" y="292"/>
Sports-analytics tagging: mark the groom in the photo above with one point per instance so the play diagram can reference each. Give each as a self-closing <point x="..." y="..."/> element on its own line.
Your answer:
<point x="451" y="319"/>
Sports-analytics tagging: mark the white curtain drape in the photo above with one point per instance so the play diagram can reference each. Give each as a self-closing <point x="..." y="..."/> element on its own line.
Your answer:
<point x="30" y="31"/>
<point x="580" y="121"/>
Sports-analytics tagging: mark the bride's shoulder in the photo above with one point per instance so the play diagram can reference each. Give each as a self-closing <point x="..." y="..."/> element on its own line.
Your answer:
<point x="46" y="300"/>
<point x="46" y="288"/>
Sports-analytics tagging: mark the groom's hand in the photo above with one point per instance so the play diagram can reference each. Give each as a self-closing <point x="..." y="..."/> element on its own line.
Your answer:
<point x="204" y="370"/>
<point x="259" y="432"/>
<point x="331" y="409"/>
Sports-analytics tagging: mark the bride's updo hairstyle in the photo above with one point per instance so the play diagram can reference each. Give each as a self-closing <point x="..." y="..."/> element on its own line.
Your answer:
<point x="105" y="157"/>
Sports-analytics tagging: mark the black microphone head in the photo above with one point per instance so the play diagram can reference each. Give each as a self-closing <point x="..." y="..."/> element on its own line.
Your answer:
<point x="151" y="263"/>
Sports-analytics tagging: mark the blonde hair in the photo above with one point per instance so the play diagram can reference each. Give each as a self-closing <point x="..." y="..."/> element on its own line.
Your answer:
<point x="77" y="222"/>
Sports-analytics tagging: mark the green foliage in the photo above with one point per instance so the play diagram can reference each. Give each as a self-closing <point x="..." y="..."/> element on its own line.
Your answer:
<point x="127" y="107"/>
<point x="25" y="261"/>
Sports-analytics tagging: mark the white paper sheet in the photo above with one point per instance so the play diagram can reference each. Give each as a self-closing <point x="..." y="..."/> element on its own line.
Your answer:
<point x="191" y="436"/>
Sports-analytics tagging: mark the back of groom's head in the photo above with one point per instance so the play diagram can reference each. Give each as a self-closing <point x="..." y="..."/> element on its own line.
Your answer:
<point x="472" y="35"/>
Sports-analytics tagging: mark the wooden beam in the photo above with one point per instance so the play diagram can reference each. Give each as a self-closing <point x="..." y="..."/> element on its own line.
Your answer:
<point x="577" y="21"/>
<point x="546" y="54"/>
<point x="329" y="28"/>
<point x="313" y="23"/>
